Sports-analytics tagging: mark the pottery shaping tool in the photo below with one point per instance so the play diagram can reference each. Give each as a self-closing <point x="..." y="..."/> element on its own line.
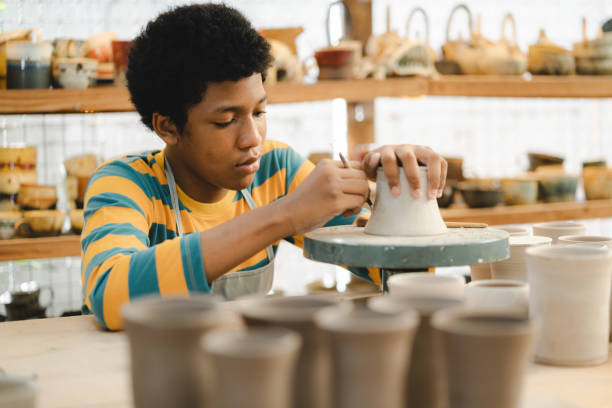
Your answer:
<point x="348" y="166"/>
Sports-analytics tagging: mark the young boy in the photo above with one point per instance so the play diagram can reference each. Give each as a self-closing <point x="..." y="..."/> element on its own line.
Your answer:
<point x="206" y="214"/>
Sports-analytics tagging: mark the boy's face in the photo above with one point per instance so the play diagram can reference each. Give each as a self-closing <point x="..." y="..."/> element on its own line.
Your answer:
<point x="223" y="138"/>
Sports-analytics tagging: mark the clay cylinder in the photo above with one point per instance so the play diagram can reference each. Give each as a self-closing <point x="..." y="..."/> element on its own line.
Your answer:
<point x="253" y="368"/>
<point x="370" y="354"/>
<point x="425" y="387"/>
<point x="483" y="271"/>
<point x="168" y="369"/>
<point x="404" y="215"/>
<point x="514" y="268"/>
<point x="558" y="228"/>
<point x="426" y="285"/>
<point x="502" y="297"/>
<point x="570" y="302"/>
<point x="312" y="380"/>
<point x="484" y="357"/>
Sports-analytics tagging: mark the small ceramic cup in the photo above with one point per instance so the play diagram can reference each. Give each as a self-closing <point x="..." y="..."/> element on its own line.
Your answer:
<point x="498" y="296"/>
<point x="556" y="229"/>
<point x="426" y="285"/>
<point x="514" y="267"/>
<point x="483" y="271"/>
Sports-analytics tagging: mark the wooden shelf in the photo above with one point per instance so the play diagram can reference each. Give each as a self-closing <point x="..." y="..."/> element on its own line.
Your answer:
<point x="116" y="99"/>
<point x="69" y="245"/>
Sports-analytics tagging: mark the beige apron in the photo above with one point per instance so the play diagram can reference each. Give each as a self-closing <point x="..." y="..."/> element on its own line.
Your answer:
<point x="235" y="284"/>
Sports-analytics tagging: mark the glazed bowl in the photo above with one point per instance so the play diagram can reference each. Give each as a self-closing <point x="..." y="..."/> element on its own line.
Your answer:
<point x="8" y="219"/>
<point x="557" y="187"/>
<point x="448" y="195"/>
<point x="41" y="223"/>
<point x="520" y="190"/>
<point x="37" y="196"/>
<point x="539" y="159"/>
<point x="480" y="196"/>
<point x="597" y="183"/>
<point x="77" y="220"/>
<point x="76" y="73"/>
<point x="335" y="63"/>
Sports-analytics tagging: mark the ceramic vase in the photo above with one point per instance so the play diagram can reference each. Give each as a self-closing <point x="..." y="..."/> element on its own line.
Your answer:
<point x="404" y="215"/>
<point x="498" y="296"/>
<point x="570" y="302"/>
<point x="17" y="392"/>
<point x="558" y="228"/>
<point x="484" y="357"/>
<point x="483" y="271"/>
<point x="425" y="386"/>
<point x="168" y="369"/>
<point x="426" y="285"/>
<point x="253" y="368"/>
<point x="370" y="355"/>
<point x="514" y="267"/>
<point x="312" y="378"/>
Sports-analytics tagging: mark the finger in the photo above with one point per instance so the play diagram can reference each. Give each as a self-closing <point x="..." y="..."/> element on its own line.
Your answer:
<point x="443" y="177"/>
<point x="391" y="170"/>
<point x="434" y="171"/>
<point x="353" y="204"/>
<point x="355" y="174"/>
<point x="354" y="186"/>
<point x="352" y="212"/>
<point x="370" y="164"/>
<point x="411" y="168"/>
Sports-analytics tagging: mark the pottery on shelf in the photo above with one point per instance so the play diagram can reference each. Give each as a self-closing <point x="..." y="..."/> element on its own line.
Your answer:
<point x="37" y="196"/>
<point x="597" y="182"/>
<point x="555" y="229"/>
<point x="485" y="357"/>
<point x="514" y="267"/>
<point x="556" y="186"/>
<point x="40" y="223"/>
<point x="546" y="58"/>
<point x="253" y="368"/>
<point x="370" y="355"/>
<point x="519" y="190"/>
<point x="478" y="195"/>
<point x="404" y="215"/>
<point x="425" y="376"/>
<point x="570" y="301"/>
<point x="168" y="368"/>
<point x="448" y="65"/>
<point x="541" y="159"/>
<point x="503" y="297"/>
<point x="77" y="220"/>
<point x="426" y="285"/>
<point x="8" y="219"/>
<point x="312" y="378"/>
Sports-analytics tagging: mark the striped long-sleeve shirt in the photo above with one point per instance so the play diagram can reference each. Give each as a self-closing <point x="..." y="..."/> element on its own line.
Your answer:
<point x="129" y="243"/>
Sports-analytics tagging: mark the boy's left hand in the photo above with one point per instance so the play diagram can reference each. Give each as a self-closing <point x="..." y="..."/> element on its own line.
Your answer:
<point x="409" y="156"/>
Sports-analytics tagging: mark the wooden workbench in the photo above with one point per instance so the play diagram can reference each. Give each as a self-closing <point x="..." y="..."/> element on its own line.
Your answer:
<point x="79" y="365"/>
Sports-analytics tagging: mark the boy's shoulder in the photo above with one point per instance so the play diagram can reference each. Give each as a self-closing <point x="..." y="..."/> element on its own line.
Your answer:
<point x="141" y="168"/>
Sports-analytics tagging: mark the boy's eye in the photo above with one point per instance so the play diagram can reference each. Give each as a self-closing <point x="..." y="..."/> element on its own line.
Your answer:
<point x="260" y="113"/>
<point x="224" y="124"/>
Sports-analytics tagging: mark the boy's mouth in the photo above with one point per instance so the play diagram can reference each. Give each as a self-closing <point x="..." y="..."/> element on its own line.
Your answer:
<point x="250" y="165"/>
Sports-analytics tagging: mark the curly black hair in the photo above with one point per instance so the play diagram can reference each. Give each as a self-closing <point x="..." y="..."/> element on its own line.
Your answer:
<point x="176" y="55"/>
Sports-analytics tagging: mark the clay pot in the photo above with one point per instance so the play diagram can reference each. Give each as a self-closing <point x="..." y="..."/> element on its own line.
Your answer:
<point x="556" y="229"/>
<point x="514" y="267"/>
<point x="448" y="195"/>
<point x="168" y="369"/>
<point x="41" y="223"/>
<point x="570" y="300"/>
<point x="546" y="58"/>
<point x="37" y="196"/>
<point x="313" y="373"/>
<point x="404" y="215"/>
<point x="519" y="191"/>
<point x="426" y="285"/>
<point x="483" y="271"/>
<point x="597" y="183"/>
<point x="539" y="159"/>
<point x="370" y="355"/>
<point x="425" y="375"/>
<point x="16" y="392"/>
<point x="480" y="196"/>
<point x="498" y="296"/>
<point x="8" y="219"/>
<point x="556" y="187"/>
<point x="253" y="368"/>
<point x="77" y="220"/>
<point x="484" y="356"/>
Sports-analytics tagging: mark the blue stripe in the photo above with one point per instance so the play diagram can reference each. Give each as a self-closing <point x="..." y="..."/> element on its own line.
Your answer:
<point x="193" y="266"/>
<point x="159" y="233"/>
<point x="99" y="258"/>
<point x="109" y="199"/>
<point x="116" y="229"/>
<point x="259" y="264"/>
<point x="142" y="278"/>
<point x="96" y="298"/>
<point x="342" y="220"/>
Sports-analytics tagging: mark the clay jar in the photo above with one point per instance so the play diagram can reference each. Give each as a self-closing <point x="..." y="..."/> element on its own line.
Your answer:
<point x="404" y="215"/>
<point x="168" y="369"/>
<point x="558" y="228"/>
<point x="514" y="267"/>
<point x="484" y="357"/>
<point x="370" y="354"/>
<point x="253" y="368"/>
<point x="425" y="386"/>
<point x="570" y="301"/>
<point x="312" y="378"/>
<point x="498" y="296"/>
<point x="483" y="271"/>
<point x="426" y="285"/>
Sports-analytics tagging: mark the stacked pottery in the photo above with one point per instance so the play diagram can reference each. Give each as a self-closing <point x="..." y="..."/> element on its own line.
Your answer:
<point x="483" y="271"/>
<point x="426" y="285"/>
<point x="370" y="355"/>
<point x="485" y="357"/>
<point x="514" y="267"/>
<point x="570" y="301"/>
<point x="253" y="368"/>
<point x="168" y="368"/>
<point x="312" y="378"/>
<point x="556" y="229"/>
<point x="498" y="296"/>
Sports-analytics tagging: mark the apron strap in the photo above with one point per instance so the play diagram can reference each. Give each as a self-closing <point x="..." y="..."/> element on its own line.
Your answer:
<point x="173" y="196"/>
<point x="252" y="205"/>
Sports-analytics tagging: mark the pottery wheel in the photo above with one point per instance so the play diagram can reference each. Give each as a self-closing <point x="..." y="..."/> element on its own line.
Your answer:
<point x="351" y="246"/>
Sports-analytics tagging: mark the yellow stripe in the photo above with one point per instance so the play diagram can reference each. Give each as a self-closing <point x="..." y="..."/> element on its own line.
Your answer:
<point x="113" y="214"/>
<point x="169" y="264"/>
<point x="91" y="283"/>
<point x="270" y="145"/>
<point x="272" y="187"/>
<point x="111" y="241"/>
<point x="127" y="188"/>
<point x="142" y="167"/>
<point x="374" y="274"/>
<point x="117" y="293"/>
<point x="306" y="168"/>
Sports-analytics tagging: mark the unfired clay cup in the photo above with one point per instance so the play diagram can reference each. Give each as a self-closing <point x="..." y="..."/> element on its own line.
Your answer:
<point x="253" y="368"/>
<point x="514" y="267"/>
<point x="370" y="355"/>
<point x="557" y="229"/>
<point x="484" y="356"/>
<point x="570" y="302"/>
<point x="17" y="392"/>
<point x="425" y="375"/>
<point x="483" y="271"/>
<point x="312" y="380"/>
<point x="426" y="285"/>
<point x="168" y="369"/>
<point x="498" y="296"/>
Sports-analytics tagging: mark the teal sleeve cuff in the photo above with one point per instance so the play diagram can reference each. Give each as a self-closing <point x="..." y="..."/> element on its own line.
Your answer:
<point x="193" y="264"/>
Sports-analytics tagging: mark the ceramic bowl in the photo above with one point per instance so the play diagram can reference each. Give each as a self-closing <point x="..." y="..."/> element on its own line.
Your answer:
<point x="448" y="195"/>
<point x="519" y="190"/>
<point x="76" y="220"/>
<point x="334" y="57"/>
<point x="557" y="187"/>
<point x="556" y="229"/>
<point x="37" y="196"/>
<point x="480" y="196"/>
<point x="41" y="223"/>
<point x="597" y="183"/>
<point x="77" y="73"/>
<point x="8" y="219"/>
<point x="538" y="159"/>
<point x="81" y="166"/>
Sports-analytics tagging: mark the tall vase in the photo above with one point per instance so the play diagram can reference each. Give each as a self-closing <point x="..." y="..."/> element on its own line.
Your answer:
<point x="426" y="285"/>
<point x="570" y="302"/>
<point x="370" y="355"/>
<point x="404" y="214"/>
<point x="168" y="369"/>
<point x="253" y="368"/>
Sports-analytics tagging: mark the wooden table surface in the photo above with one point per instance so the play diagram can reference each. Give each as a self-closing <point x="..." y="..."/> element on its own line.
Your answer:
<point x="79" y="365"/>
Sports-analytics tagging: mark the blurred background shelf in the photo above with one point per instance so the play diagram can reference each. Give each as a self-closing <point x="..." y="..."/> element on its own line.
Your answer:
<point x="116" y="99"/>
<point x="39" y="248"/>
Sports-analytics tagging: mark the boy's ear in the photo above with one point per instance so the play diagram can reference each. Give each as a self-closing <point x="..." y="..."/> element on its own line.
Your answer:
<point x="165" y="129"/>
